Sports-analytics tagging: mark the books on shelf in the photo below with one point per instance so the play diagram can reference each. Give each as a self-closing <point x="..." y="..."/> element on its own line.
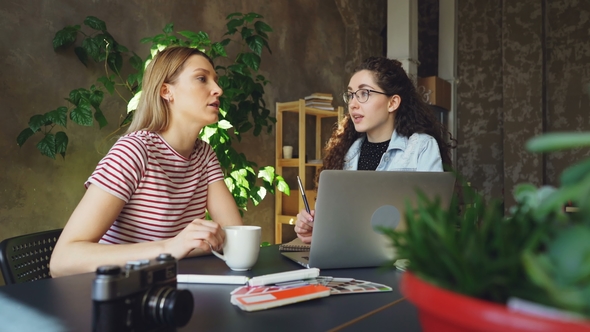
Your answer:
<point x="320" y="96"/>
<point x="319" y="100"/>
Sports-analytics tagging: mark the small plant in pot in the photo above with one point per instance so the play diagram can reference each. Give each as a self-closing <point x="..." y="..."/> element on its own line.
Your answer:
<point x="481" y="270"/>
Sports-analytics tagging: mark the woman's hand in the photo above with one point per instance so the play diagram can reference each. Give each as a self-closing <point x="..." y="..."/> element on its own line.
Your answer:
<point x="304" y="225"/>
<point x="203" y="235"/>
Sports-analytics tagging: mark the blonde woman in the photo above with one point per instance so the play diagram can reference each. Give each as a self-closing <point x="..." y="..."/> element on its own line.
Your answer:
<point x="149" y="194"/>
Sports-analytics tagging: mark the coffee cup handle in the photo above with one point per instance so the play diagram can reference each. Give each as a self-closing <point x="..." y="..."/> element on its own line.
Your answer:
<point x="218" y="255"/>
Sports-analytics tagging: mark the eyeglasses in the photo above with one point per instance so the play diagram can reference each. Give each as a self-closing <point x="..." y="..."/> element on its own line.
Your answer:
<point x="362" y="95"/>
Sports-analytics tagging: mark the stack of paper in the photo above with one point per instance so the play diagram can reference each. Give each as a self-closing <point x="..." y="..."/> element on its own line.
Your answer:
<point x="319" y="100"/>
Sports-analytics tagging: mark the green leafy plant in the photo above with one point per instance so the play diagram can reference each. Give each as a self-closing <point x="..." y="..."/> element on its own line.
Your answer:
<point x="242" y="107"/>
<point x="538" y="252"/>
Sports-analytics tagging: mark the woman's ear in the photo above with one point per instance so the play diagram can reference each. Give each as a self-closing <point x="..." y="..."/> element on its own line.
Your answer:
<point x="165" y="92"/>
<point x="394" y="103"/>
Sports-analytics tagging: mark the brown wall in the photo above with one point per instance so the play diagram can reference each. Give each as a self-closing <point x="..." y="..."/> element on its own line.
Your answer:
<point x="314" y="44"/>
<point x="524" y="69"/>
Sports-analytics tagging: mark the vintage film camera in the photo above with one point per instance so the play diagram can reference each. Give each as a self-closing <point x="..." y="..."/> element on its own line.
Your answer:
<point x="142" y="296"/>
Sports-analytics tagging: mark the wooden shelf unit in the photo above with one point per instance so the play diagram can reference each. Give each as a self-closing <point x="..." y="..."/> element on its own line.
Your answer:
<point x="299" y="163"/>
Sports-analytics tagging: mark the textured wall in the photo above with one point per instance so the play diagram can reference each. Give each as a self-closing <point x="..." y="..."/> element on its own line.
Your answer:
<point x="522" y="91"/>
<point x="568" y="77"/>
<point x="428" y="37"/>
<point x="479" y="95"/>
<point x="523" y="69"/>
<point x="314" y="45"/>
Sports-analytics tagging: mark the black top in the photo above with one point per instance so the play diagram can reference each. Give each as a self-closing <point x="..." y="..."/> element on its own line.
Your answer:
<point x="371" y="154"/>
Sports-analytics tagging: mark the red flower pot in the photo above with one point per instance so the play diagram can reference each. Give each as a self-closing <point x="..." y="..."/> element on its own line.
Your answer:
<point x="441" y="310"/>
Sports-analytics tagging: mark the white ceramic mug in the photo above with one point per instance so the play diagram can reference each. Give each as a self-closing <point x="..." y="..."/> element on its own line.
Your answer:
<point x="287" y="152"/>
<point x="241" y="247"/>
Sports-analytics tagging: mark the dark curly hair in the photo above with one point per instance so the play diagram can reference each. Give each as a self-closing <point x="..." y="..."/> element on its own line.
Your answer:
<point x="412" y="116"/>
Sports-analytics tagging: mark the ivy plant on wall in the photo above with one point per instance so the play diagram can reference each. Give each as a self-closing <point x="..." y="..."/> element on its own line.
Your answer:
<point x="242" y="107"/>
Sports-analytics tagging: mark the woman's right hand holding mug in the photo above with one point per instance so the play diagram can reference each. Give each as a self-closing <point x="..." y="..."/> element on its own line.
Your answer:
<point x="304" y="225"/>
<point x="200" y="235"/>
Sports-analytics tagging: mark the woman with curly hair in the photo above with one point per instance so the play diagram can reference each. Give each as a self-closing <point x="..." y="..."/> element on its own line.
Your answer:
<point x="387" y="128"/>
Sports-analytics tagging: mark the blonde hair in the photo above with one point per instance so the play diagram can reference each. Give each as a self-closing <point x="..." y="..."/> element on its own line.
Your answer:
<point x="153" y="112"/>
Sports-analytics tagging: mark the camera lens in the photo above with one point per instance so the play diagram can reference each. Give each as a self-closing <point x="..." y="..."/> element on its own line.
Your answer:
<point x="168" y="306"/>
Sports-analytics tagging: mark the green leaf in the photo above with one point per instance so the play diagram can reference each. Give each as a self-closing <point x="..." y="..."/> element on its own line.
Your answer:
<point x="133" y="78"/>
<point x="255" y="43"/>
<point x="238" y="68"/>
<point x="47" y="146"/>
<point x="107" y="83"/>
<point x="77" y="94"/>
<point x="262" y="34"/>
<point x="121" y="48"/>
<point x="251" y="16"/>
<point x="146" y="40"/>
<point x="575" y="173"/>
<point x="95" y="23"/>
<point x="102" y="121"/>
<point x="224" y="124"/>
<point x="282" y="185"/>
<point x="225" y="42"/>
<point x="233" y="24"/>
<point x="232" y="15"/>
<point x="251" y="60"/>
<point x="132" y="105"/>
<point x="36" y="121"/>
<point x="24" y="136"/>
<point x="115" y="62"/>
<point x="82" y="114"/>
<point x="558" y="141"/>
<point x="260" y="26"/>
<point x="59" y="116"/>
<point x="92" y="48"/>
<point x="169" y="28"/>
<point x="82" y="55"/>
<point x="191" y="35"/>
<point x="219" y="49"/>
<point x="61" y="143"/>
<point x="245" y="127"/>
<point x="95" y="97"/>
<point x="65" y="37"/>
<point x="136" y="62"/>
<point x="267" y="174"/>
<point x="266" y="45"/>
<point x="246" y="32"/>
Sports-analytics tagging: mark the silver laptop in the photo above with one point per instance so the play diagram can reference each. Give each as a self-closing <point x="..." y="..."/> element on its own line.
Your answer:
<point x="351" y="204"/>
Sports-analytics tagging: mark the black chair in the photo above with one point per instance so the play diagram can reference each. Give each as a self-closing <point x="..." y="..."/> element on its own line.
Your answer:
<point x="26" y="258"/>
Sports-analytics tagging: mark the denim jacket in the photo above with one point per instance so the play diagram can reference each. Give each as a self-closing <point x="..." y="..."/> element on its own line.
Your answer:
<point x="418" y="152"/>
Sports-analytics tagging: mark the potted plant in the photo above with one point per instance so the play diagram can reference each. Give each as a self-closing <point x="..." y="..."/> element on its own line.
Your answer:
<point x="481" y="270"/>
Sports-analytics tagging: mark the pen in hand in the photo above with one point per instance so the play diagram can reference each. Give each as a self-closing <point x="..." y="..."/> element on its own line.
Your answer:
<point x="303" y="195"/>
